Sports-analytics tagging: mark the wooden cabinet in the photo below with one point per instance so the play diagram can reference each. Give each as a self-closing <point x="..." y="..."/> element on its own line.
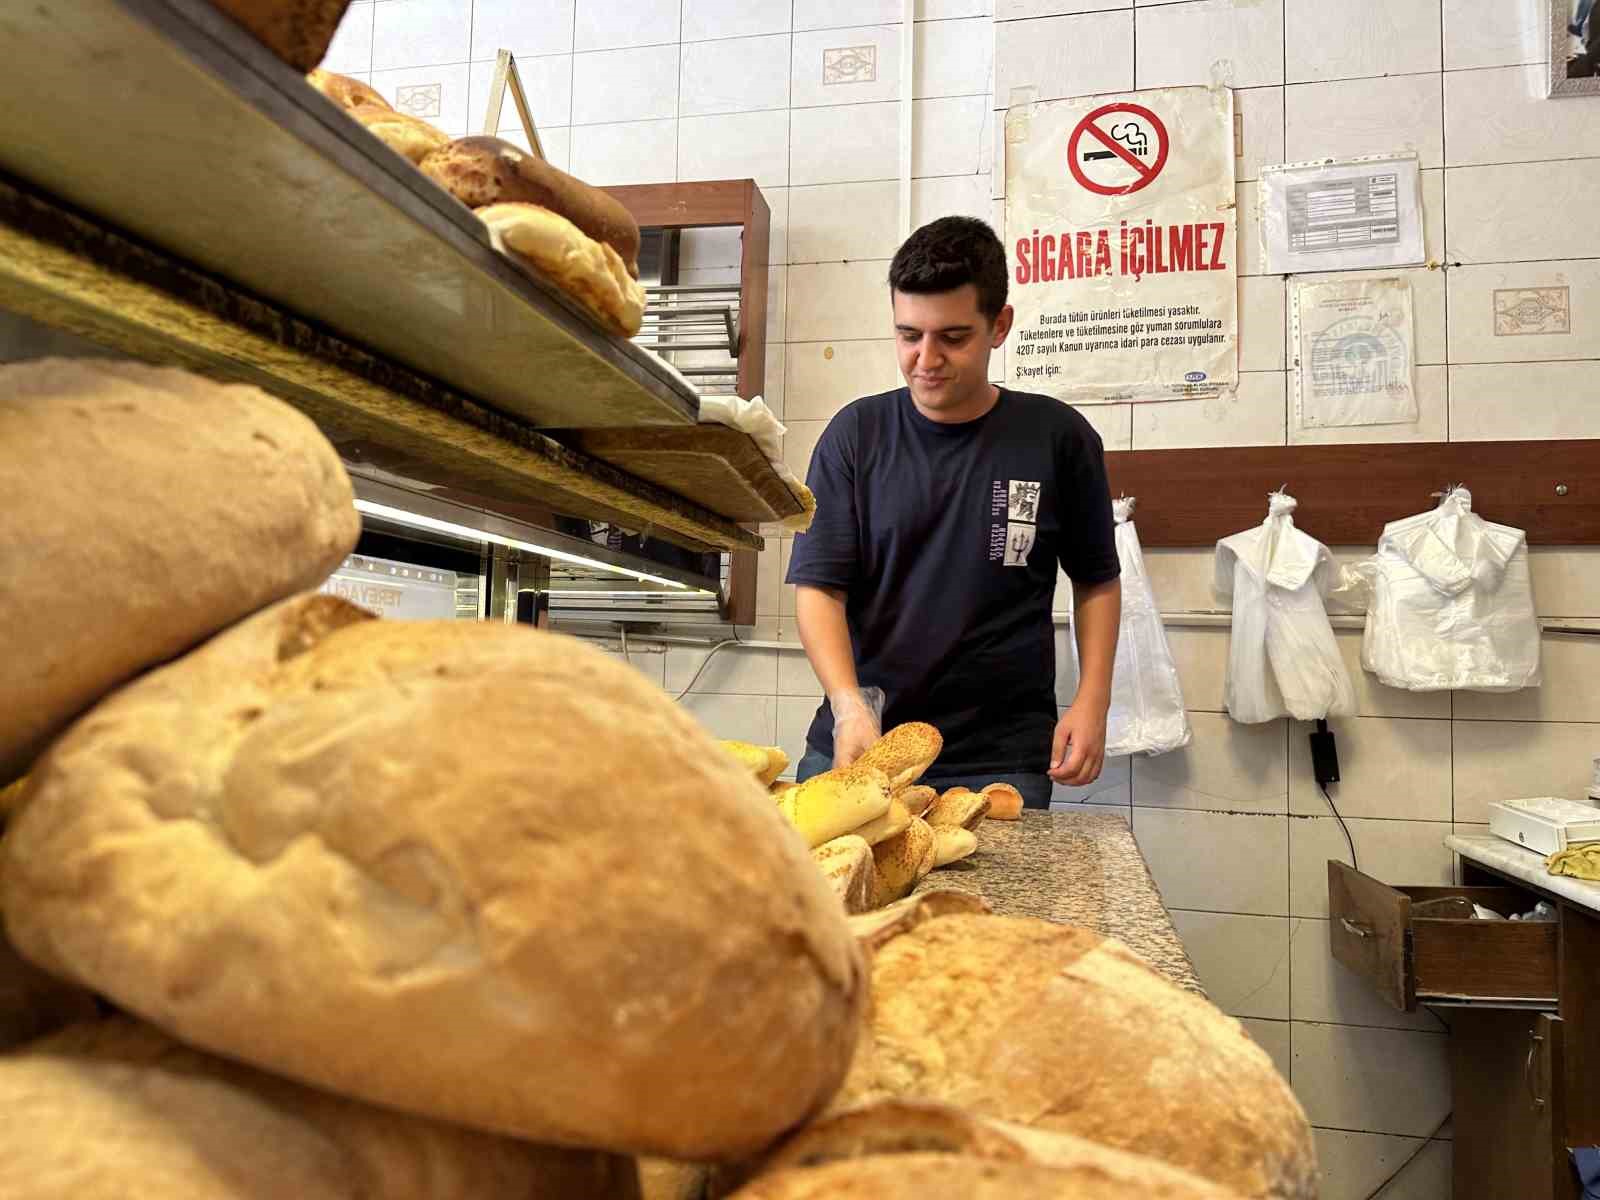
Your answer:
<point x="1522" y="1000"/>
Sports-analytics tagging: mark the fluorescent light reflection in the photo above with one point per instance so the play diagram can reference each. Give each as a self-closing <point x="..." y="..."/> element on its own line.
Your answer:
<point x="417" y="521"/>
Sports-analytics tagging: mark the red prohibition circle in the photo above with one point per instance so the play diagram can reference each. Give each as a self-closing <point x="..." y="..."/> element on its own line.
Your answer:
<point x="1147" y="173"/>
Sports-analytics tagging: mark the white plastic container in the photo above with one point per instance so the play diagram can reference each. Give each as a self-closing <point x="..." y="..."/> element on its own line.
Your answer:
<point x="1544" y="823"/>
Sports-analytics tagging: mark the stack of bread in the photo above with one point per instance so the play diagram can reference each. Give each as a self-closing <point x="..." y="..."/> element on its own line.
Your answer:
<point x="576" y="236"/>
<point x="305" y="904"/>
<point x="874" y="832"/>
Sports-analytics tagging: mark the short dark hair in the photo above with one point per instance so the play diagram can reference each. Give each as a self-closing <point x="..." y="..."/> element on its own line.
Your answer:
<point x="949" y="253"/>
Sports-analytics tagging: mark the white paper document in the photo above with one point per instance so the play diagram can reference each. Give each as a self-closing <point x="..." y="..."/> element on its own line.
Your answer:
<point x="1341" y="216"/>
<point x="1353" y="353"/>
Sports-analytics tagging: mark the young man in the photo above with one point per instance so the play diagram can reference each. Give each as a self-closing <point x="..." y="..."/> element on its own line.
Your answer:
<point x="942" y="510"/>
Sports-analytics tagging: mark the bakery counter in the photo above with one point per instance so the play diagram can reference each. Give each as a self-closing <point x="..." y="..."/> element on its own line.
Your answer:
<point x="1077" y="868"/>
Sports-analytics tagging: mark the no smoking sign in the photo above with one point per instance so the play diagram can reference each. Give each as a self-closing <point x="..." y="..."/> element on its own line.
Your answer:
<point x="1117" y="149"/>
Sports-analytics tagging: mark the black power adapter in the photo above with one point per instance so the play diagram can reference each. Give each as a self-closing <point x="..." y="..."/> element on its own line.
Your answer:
<point x="1324" y="755"/>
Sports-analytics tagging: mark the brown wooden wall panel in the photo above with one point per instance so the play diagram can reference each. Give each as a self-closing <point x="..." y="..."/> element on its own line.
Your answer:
<point x="1348" y="493"/>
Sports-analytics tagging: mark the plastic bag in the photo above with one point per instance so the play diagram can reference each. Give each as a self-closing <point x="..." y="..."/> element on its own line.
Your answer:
<point x="1282" y="658"/>
<point x="1449" y="602"/>
<point x="1147" y="714"/>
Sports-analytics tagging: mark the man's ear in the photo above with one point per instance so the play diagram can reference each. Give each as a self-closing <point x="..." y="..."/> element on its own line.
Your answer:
<point x="1002" y="326"/>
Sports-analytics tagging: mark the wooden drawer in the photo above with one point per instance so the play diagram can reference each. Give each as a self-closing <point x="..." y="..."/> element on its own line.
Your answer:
<point x="1410" y="958"/>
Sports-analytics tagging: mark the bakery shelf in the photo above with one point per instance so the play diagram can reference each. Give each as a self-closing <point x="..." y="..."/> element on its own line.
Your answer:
<point x="66" y="271"/>
<point x="171" y="189"/>
<point x="168" y="122"/>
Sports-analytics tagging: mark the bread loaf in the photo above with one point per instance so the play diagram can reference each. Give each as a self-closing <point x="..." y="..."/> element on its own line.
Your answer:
<point x="297" y="31"/>
<point x="954" y="1177"/>
<point x="1059" y="1028"/>
<point x="959" y="809"/>
<point x="410" y="137"/>
<point x="918" y="800"/>
<point x="875" y="929"/>
<point x="902" y="861"/>
<point x="114" y="1109"/>
<point x="1005" y="802"/>
<point x="195" y="503"/>
<point x="306" y="846"/>
<point x="590" y="272"/>
<point x="835" y="803"/>
<point x="766" y="763"/>
<point x="908" y="1127"/>
<point x="904" y="753"/>
<point x="344" y="91"/>
<point x="846" y="863"/>
<point x="952" y="845"/>
<point x="892" y="824"/>
<point x="480" y="171"/>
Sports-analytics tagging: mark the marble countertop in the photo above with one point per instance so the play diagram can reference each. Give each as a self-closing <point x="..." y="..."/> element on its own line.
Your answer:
<point x="1079" y="869"/>
<point x="1524" y="864"/>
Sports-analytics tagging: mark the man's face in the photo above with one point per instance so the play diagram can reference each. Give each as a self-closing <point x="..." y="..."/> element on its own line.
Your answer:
<point x="943" y="343"/>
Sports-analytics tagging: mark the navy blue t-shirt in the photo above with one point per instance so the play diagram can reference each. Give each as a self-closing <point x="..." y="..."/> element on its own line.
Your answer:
<point x="945" y="540"/>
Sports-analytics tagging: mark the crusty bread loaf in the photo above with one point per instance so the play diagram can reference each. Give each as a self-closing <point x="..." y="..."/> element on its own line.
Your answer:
<point x="904" y="753"/>
<point x="766" y="763"/>
<point x="1005" y="802"/>
<point x="875" y="929"/>
<point x="836" y="802"/>
<point x="918" y="799"/>
<point x="959" y="809"/>
<point x="903" y="860"/>
<point x="952" y="845"/>
<point x="846" y="863"/>
<point x="410" y="137"/>
<point x="306" y="845"/>
<point x="909" y="1127"/>
<point x="344" y="91"/>
<point x="195" y="503"/>
<point x="954" y="1177"/>
<point x="591" y="272"/>
<point x="1059" y="1028"/>
<point x="297" y="31"/>
<point x="114" y="1109"/>
<point x="892" y="824"/>
<point x="480" y="171"/>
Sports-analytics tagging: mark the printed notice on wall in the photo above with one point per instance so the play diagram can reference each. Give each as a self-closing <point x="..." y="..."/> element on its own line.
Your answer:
<point x="1353" y="356"/>
<point x="1341" y="216"/>
<point x="1120" y="228"/>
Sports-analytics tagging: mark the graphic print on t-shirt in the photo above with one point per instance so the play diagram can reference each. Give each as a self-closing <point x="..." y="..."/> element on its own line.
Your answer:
<point x="1011" y="540"/>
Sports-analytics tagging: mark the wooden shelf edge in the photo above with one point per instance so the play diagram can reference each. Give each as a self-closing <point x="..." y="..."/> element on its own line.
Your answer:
<point x="1347" y="493"/>
<point x="63" y="270"/>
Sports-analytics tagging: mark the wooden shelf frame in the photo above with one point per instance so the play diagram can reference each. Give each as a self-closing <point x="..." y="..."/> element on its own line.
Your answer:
<point x="1347" y="493"/>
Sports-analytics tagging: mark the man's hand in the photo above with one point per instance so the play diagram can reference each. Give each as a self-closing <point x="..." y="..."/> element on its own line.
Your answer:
<point x="1079" y="749"/>
<point x="855" y="727"/>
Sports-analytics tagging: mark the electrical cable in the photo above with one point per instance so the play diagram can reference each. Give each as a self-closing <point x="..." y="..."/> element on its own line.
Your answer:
<point x="1411" y="1158"/>
<point x="704" y="663"/>
<point x="1354" y="863"/>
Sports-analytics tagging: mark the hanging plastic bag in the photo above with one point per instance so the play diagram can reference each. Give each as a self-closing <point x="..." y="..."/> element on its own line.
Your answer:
<point x="1449" y="603"/>
<point x="1282" y="659"/>
<point x="1147" y="714"/>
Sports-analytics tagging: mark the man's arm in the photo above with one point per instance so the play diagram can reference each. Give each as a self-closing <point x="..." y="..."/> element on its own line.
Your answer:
<point x="824" y="632"/>
<point x="1079" y="749"/>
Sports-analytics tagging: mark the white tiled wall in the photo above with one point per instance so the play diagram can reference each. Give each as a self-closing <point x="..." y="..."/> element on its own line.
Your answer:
<point x="1234" y="827"/>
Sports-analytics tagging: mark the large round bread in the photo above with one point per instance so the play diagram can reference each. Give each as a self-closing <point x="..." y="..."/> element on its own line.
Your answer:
<point x="409" y="861"/>
<point x="1056" y="1027"/>
<point x="480" y="171"/>
<point x="953" y="1177"/>
<point x="920" y="1127"/>
<point x="297" y="31"/>
<point x="113" y="1110"/>
<point x="146" y="508"/>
